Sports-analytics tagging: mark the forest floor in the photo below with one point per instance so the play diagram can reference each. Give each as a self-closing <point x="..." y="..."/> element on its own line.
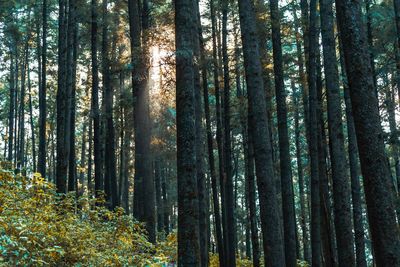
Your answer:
<point x="38" y="227"/>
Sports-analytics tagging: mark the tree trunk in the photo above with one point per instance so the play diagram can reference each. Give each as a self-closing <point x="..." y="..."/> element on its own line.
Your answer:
<point x="42" y="95"/>
<point x="11" y="113"/>
<point x="201" y="183"/>
<point x="31" y="120"/>
<point x="300" y="175"/>
<point x="72" y="172"/>
<point x="251" y="194"/>
<point x="230" y="244"/>
<point x="62" y="102"/>
<point x="289" y="216"/>
<point x="341" y="186"/>
<point x="396" y="5"/>
<point x="359" y="236"/>
<point x="211" y="160"/>
<point x="270" y="221"/>
<point x="219" y="137"/>
<point x="313" y="124"/>
<point x="95" y="113"/>
<point x="188" y="205"/>
<point x="110" y="182"/>
<point x="382" y="218"/>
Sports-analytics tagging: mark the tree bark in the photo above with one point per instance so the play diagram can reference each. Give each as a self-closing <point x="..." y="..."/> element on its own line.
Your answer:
<point x="62" y="102"/>
<point x="289" y="216"/>
<point x="188" y="205"/>
<point x="313" y="126"/>
<point x="42" y="95"/>
<point x="270" y="221"/>
<point x="356" y="193"/>
<point x="382" y="218"/>
<point x="230" y="244"/>
<point x="341" y="185"/>
<point x="95" y="113"/>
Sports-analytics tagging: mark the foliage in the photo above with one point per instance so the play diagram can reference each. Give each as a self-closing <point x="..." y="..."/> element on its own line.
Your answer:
<point x="40" y="228"/>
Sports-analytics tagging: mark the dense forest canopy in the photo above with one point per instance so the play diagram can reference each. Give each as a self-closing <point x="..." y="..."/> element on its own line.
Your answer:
<point x="199" y="133"/>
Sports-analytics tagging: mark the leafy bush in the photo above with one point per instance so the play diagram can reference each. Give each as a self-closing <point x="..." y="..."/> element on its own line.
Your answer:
<point x="39" y="228"/>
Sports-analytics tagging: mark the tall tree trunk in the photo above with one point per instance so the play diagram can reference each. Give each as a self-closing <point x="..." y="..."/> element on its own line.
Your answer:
<point x="341" y="186"/>
<point x="382" y="218"/>
<point x="219" y="136"/>
<point x="358" y="219"/>
<point x="300" y="175"/>
<point x="289" y="216"/>
<point x="110" y="182"/>
<point x="313" y="126"/>
<point x="21" y="141"/>
<point x="211" y="160"/>
<point x="371" y="42"/>
<point x="31" y="120"/>
<point x="270" y="221"/>
<point x="327" y="236"/>
<point x="396" y="5"/>
<point x="95" y="113"/>
<point x="251" y="194"/>
<point x="42" y="95"/>
<point x="62" y="102"/>
<point x="230" y="244"/>
<point x="12" y="108"/>
<point x="72" y="172"/>
<point x="188" y="205"/>
<point x="201" y="183"/>
<point x="144" y="200"/>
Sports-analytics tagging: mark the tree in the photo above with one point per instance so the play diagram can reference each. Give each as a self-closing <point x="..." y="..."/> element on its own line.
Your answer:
<point x="62" y="101"/>
<point x="341" y="186"/>
<point x="270" y="222"/>
<point x="188" y="209"/>
<point x="382" y="219"/>
<point x="42" y="95"/>
<point x="289" y="216"/>
<point x="313" y="132"/>
<point x="95" y="114"/>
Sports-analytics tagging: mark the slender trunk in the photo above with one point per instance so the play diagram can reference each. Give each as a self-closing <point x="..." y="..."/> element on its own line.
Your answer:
<point x="382" y="218"/>
<point x="230" y="244"/>
<point x="201" y="183"/>
<point x="12" y="108"/>
<point x="358" y="219"/>
<point x="300" y="175"/>
<point x="396" y="5"/>
<point x="251" y="195"/>
<point x="42" y="95"/>
<point x="72" y="172"/>
<point x="31" y="121"/>
<point x="62" y="102"/>
<point x="270" y="221"/>
<point x="327" y="239"/>
<point x="95" y="113"/>
<point x="313" y="126"/>
<point x="188" y="205"/>
<point x="219" y="137"/>
<point x="341" y="186"/>
<point x="211" y="160"/>
<point x="289" y="217"/>
<point x="110" y="163"/>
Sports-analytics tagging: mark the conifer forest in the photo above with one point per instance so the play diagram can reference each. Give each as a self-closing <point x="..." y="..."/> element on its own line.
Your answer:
<point x="200" y="133"/>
